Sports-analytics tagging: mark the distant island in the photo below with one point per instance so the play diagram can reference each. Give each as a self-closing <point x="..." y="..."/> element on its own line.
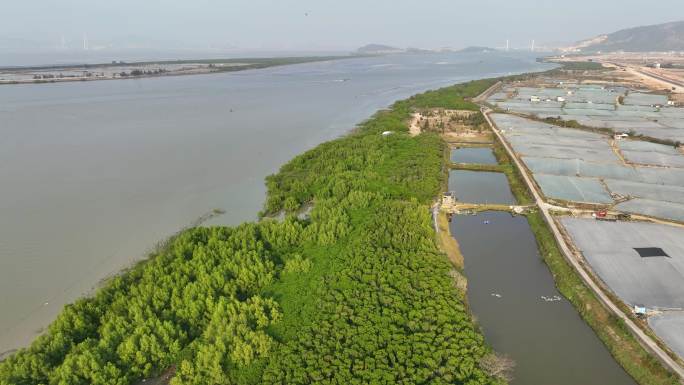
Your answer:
<point x="119" y="69"/>
<point x="125" y="70"/>
<point x="477" y="49"/>
<point x="381" y="49"/>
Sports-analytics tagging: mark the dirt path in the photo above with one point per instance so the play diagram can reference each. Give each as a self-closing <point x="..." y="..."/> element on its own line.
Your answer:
<point x="414" y="125"/>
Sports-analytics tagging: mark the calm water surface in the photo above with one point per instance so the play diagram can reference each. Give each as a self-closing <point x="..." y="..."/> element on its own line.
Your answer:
<point x="95" y="173"/>
<point x="479" y="155"/>
<point x="522" y="314"/>
<point x="480" y="187"/>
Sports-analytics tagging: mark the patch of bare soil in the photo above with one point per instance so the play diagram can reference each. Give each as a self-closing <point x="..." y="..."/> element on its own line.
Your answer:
<point x="454" y="125"/>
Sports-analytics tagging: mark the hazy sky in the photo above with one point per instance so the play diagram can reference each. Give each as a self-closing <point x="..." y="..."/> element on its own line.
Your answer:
<point x="330" y="24"/>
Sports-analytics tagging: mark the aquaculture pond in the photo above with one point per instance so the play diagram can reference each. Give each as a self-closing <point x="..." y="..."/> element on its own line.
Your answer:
<point x="480" y="187"/>
<point x="522" y="314"/>
<point x="480" y="155"/>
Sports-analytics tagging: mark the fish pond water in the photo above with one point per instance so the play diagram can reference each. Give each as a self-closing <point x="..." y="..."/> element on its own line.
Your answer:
<point x="479" y="155"/>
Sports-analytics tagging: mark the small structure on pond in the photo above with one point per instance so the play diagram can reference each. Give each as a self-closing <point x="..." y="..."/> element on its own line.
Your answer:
<point x="448" y="200"/>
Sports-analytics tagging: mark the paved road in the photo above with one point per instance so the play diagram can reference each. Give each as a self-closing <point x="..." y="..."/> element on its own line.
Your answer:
<point x="672" y="82"/>
<point x="677" y="85"/>
<point x="645" y="340"/>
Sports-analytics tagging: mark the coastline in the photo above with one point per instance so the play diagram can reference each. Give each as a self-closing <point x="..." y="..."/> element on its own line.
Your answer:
<point x="430" y="150"/>
<point x="375" y="124"/>
<point x="250" y="192"/>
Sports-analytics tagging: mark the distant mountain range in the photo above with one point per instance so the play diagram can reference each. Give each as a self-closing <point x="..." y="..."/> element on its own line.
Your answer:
<point x="477" y="49"/>
<point x="375" y="49"/>
<point x="660" y="37"/>
<point x="381" y="49"/>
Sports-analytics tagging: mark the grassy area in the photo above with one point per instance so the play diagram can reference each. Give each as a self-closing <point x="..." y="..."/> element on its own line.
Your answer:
<point x="574" y="124"/>
<point x="456" y="97"/>
<point x="477" y="167"/>
<point x="582" y="66"/>
<point x="448" y="243"/>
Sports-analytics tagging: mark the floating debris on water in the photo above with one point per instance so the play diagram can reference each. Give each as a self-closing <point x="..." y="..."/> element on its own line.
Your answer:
<point x="555" y="298"/>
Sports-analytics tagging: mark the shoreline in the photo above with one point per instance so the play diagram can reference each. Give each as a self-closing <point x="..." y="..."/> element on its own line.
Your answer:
<point x="350" y="136"/>
<point x="368" y="207"/>
<point x="41" y="321"/>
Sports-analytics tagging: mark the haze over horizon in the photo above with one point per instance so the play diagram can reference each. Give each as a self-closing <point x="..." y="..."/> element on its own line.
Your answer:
<point x="310" y="25"/>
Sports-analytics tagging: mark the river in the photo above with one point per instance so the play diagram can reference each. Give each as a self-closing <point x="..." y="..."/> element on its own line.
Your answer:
<point x="94" y="174"/>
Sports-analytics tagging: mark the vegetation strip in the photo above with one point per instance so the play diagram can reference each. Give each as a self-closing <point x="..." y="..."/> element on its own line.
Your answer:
<point x="476" y="167"/>
<point x="50" y="74"/>
<point x="358" y="292"/>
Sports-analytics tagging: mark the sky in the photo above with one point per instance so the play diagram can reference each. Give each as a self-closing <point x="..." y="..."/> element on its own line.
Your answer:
<point x="322" y="24"/>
